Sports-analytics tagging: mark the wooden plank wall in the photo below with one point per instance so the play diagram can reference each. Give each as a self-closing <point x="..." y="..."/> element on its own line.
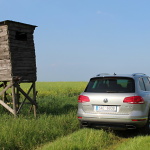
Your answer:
<point x="17" y="58"/>
<point x="22" y="52"/>
<point x="5" y="63"/>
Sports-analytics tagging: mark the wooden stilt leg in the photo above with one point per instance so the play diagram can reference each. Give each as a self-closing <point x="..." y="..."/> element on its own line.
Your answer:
<point x="14" y="101"/>
<point x="34" y="98"/>
<point x="4" y="95"/>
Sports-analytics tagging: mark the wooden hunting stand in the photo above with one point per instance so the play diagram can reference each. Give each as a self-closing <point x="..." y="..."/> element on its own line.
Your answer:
<point x="17" y="65"/>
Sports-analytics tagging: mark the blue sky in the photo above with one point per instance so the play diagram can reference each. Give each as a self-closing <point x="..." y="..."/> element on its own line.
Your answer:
<point x="77" y="39"/>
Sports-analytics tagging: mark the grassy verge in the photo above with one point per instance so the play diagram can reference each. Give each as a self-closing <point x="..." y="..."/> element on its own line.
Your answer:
<point x="85" y="139"/>
<point x="26" y="133"/>
<point x="136" y="143"/>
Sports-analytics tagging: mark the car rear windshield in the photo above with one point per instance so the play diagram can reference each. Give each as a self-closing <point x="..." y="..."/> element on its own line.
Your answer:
<point x="111" y="85"/>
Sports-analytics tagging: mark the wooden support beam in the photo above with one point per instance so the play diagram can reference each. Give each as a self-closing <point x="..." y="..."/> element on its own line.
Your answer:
<point x="16" y="90"/>
<point x="4" y="95"/>
<point x="34" y="98"/>
<point x="7" y="87"/>
<point x="26" y="95"/>
<point x="7" y="107"/>
<point x="14" y="100"/>
<point x="25" y="99"/>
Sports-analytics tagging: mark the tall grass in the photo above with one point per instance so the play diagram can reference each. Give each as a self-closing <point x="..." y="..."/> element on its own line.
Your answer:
<point x="26" y="133"/>
<point x="85" y="139"/>
<point x="136" y="143"/>
<point x="56" y="117"/>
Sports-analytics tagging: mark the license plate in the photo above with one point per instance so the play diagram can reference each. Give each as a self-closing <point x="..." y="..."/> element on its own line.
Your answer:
<point x="106" y="108"/>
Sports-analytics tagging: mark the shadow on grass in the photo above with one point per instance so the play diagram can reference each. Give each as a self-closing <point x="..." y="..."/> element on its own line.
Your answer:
<point x="127" y="133"/>
<point x="124" y="133"/>
<point x="57" y="110"/>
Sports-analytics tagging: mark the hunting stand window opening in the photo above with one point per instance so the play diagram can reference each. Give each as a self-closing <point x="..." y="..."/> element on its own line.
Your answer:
<point x="21" y="36"/>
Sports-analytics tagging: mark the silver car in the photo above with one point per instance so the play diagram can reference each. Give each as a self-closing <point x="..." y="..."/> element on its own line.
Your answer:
<point x="116" y="101"/>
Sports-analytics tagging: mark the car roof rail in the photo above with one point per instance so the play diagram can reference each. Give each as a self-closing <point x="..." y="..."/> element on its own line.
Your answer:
<point x="102" y="74"/>
<point x="134" y="74"/>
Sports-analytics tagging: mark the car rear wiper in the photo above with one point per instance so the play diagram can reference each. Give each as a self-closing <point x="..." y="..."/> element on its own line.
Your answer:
<point x="112" y="92"/>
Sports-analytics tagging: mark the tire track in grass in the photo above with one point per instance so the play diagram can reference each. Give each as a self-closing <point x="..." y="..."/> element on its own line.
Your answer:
<point x="85" y="139"/>
<point x="96" y="139"/>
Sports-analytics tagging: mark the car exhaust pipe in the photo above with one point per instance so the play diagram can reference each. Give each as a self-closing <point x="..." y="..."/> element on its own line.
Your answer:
<point x="85" y="124"/>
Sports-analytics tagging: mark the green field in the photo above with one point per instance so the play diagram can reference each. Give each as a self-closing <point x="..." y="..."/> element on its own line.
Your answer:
<point x="56" y="126"/>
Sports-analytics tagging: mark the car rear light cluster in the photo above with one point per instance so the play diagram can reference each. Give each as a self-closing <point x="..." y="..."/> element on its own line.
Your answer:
<point x="138" y="119"/>
<point x="134" y="100"/>
<point x="83" y="99"/>
<point x="79" y="117"/>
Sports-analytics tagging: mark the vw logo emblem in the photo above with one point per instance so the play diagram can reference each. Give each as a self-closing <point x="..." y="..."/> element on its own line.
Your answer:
<point x="105" y="100"/>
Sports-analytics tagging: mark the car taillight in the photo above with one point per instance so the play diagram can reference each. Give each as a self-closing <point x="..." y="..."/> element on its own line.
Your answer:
<point x="79" y="117"/>
<point x="134" y="100"/>
<point x="83" y="99"/>
<point x="139" y="119"/>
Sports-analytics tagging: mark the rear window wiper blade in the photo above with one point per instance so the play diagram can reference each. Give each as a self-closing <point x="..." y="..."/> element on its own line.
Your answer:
<point x="112" y="92"/>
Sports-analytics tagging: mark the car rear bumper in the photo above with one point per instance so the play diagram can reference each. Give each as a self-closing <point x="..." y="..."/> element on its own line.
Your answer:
<point x="106" y="125"/>
<point x="113" y="121"/>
